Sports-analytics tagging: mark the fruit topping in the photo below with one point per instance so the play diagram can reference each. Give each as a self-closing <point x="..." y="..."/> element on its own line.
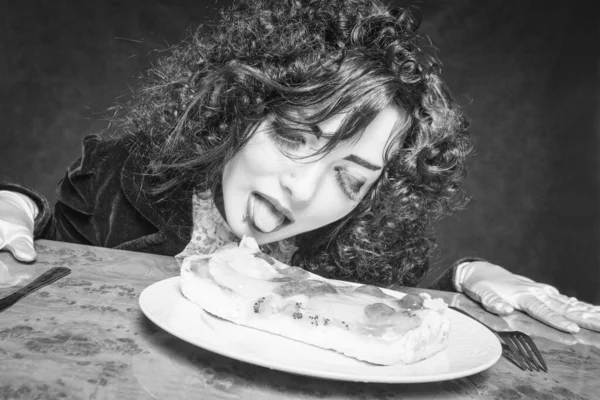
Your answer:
<point x="378" y="311"/>
<point x="411" y="301"/>
<point x="308" y="287"/>
<point x="295" y="272"/>
<point x="371" y="290"/>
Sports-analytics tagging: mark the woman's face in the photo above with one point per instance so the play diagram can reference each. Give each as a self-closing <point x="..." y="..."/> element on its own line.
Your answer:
<point x="270" y="196"/>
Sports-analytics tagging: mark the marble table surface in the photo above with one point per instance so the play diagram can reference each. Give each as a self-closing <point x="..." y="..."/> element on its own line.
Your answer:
<point x="85" y="337"/>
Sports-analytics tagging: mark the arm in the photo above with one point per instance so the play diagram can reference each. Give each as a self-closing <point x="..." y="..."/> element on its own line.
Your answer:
<point x="445" y="280"/>
<point x="92" y="205"/>
<point x="502" y="292"/>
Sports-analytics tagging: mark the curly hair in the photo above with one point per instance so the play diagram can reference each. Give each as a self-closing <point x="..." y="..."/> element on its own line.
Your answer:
<point x="303" y="61"/>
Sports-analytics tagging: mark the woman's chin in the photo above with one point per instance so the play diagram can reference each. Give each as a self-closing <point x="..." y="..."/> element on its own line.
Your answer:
<point x="268" y="237"/>
<point x="265" y="238"/>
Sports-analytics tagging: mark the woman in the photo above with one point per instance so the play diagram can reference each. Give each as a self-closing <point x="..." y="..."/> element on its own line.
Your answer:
<point x="319" y="128"/>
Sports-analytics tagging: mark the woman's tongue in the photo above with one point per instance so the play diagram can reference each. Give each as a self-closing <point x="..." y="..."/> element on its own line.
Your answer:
<point x="266" y="217"/>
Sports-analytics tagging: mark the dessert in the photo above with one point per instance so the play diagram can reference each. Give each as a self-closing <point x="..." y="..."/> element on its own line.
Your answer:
<point x="241" y="284"/>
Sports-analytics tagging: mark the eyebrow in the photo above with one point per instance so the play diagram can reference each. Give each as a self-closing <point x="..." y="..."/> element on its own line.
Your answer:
<point x="362" y="162"/>
<point x="318" y="132"/>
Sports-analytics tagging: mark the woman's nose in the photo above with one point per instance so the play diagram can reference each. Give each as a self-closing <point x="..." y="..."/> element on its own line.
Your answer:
<point x="302" y="182"/>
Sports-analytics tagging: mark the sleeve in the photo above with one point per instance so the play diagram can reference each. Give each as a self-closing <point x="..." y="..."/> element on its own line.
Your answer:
<point x="87" y="192"/>
<point x="91" y="206"/>
<point x="444" y="280"/>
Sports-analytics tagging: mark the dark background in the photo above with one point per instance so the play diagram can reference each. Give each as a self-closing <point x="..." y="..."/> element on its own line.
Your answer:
<point x="526" y="72"/>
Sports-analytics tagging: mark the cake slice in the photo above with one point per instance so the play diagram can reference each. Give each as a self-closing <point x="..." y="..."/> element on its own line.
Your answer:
<point x="241" y="284"/>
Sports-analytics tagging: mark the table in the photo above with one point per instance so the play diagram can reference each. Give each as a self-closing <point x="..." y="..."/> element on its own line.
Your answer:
<point x="84" y="337"/>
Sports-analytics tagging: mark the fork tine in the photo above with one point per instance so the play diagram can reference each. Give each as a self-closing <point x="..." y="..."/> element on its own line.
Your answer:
<point x="521" y="351"/>
<point x="527" y="346"/>
<point x="538" y="357"/>
<point x="509" y="354"/>
<point x="524" y="349"/>
<point x="516" y="353"/>
<point x="519" y="344"/>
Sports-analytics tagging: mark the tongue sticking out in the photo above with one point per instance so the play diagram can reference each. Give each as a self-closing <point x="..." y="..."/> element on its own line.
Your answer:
<point x="264" y="216"/>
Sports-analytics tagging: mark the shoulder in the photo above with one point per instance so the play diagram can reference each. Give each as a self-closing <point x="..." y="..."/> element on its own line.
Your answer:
<point x="108" y="150"/>
<point x="101" y="156"/>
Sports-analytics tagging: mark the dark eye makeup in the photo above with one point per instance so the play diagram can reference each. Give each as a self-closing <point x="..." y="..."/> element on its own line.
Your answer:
<point x="286" y="138"/>
<point x="350" y="185"/>
<point x="290" y="139"/>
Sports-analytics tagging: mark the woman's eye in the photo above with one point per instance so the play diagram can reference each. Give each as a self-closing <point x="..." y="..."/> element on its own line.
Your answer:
<point x="350" y="185"/>
<point x="288" y="141"/>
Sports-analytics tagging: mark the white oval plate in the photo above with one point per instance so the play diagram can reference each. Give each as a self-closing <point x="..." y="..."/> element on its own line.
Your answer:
<point x="471" y="347"/>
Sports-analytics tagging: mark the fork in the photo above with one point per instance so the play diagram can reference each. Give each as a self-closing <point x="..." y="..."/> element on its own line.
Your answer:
<point x="525" y="352"/>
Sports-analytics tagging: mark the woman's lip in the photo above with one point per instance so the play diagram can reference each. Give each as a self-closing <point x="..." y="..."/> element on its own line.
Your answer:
<point x="250" y="211"/>
<point x="288" y="214"/>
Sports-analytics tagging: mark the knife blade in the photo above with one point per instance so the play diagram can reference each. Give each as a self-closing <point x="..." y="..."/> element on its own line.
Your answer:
<point x="44" y="279"/>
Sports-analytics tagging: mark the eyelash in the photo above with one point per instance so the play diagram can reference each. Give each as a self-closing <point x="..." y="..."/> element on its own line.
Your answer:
<point x="350" y="187"/>
<point x="285" y="140"/>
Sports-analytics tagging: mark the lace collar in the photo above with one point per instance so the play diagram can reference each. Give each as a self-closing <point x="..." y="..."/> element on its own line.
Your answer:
<point x="212" y="232"/>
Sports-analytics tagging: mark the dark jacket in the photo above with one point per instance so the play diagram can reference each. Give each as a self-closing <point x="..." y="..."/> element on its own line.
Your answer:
<point x="101" y="202"/>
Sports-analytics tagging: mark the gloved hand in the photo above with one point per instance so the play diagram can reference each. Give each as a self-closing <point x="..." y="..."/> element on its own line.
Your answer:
<point x="17" y="215"/>
<point x="501" y="292"/>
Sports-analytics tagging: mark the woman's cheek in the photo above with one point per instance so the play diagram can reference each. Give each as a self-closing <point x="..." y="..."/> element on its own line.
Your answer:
<point x="336" y="204"/>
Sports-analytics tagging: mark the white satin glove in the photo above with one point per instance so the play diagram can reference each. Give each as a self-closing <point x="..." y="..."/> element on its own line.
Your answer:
<point x="17" y="216"/>
<point x="502" y="292"/>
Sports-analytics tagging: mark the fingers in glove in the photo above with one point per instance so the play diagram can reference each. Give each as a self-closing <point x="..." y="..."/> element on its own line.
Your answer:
<point x="583" y="314"/>
<point x="491" y="301"/>
<point x="540" y="311"/>
<point x="22" y="248"/>
<point x="587" y="320"/>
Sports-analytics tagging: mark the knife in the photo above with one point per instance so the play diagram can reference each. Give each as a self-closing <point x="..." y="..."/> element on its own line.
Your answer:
<point x="44" y="279"/>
